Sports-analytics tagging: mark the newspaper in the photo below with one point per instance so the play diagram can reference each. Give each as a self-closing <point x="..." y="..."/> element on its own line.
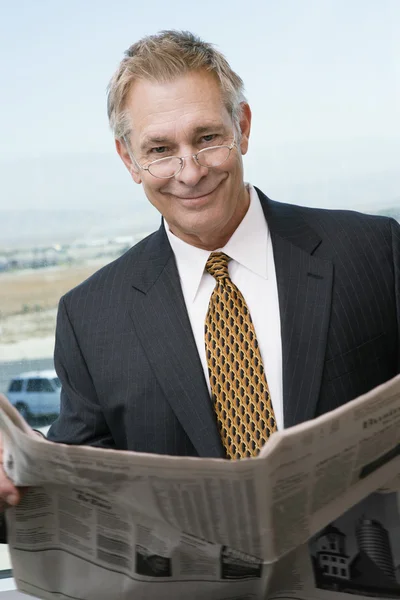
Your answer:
<point x="101" y="524"/>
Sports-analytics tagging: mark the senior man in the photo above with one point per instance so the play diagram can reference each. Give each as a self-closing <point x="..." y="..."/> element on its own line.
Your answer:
<point x="240" y="315"/>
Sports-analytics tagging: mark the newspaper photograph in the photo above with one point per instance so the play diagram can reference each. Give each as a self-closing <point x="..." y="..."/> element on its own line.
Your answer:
<point x="98" y="523"/>
<point x="356" y="556"/>
<point x="359" y="553"/>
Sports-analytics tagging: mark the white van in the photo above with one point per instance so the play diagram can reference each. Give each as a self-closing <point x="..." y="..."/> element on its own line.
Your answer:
<point x="35" y="394"/>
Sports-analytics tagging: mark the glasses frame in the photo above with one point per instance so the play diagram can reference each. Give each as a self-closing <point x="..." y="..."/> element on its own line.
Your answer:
<point x="181" y="158"/>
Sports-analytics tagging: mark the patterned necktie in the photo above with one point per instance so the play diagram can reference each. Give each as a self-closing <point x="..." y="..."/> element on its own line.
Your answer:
<point x="239" y="388"/>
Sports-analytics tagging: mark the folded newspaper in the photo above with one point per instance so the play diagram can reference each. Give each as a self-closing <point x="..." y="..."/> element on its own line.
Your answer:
<point x="303" y="520"/>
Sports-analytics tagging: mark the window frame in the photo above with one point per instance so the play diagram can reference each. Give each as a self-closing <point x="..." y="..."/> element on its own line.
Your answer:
<point x="16" y="381"/>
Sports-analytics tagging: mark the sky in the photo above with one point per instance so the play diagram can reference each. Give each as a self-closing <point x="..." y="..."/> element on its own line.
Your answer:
<point x="322" y="78"/>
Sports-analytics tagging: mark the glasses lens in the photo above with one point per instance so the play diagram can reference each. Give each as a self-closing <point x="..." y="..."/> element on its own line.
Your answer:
<point x="212" y="157"/>
<point x="165" y="167"/>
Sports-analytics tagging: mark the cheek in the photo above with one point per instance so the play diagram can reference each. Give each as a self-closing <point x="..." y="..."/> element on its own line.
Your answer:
<point x="152" y="191"/>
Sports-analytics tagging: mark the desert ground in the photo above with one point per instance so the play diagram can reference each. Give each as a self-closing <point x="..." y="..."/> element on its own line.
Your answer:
<point x="28" y="308"/>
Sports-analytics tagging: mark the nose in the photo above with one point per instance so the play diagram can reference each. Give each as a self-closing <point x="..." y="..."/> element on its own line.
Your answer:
<point x="191" y="172"/>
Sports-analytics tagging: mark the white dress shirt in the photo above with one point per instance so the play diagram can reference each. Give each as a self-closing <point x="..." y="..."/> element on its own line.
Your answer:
<point x="252" y="269"/>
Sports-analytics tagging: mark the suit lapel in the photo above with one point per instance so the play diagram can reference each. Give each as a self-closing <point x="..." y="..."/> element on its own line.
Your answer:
<point x="162" y="324"/>
<point x="304" y="288"/>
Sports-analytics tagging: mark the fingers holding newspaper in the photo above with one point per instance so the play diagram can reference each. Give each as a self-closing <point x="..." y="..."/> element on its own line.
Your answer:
<point x="10" y="495"/>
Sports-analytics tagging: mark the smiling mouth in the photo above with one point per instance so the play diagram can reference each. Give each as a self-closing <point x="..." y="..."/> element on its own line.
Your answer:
<point x="199" y="197"/>
<point x="194" y="197"/>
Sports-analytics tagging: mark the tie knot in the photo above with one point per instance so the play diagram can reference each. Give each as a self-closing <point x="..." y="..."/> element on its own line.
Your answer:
<point x="217" y="265"/>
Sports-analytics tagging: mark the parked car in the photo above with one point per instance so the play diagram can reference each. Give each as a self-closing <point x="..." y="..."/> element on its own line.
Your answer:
<point x="35" y="394"/>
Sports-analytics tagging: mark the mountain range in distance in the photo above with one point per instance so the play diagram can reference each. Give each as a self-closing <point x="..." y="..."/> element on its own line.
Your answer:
<point x="47" y="227"/>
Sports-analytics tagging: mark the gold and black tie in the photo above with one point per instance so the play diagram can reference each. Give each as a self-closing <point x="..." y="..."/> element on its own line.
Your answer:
<point x="238" y="384"/>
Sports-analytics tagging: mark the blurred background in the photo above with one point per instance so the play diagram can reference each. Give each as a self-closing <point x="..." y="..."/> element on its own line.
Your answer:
<point x="322" y="78"/>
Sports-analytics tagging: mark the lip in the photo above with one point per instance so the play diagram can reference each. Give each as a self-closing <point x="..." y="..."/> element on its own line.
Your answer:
<point x="194" y="198"/>
<point x="197" y="199"/>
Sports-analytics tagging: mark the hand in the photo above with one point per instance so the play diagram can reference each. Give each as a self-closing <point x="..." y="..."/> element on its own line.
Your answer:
<point x="10" y="495"/>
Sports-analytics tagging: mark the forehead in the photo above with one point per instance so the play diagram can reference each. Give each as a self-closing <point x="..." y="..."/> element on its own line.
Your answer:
<point x="184" y="104"/>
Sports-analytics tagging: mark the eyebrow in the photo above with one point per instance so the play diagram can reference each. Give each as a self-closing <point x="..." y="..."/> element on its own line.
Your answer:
<point x="150" y="141"/>
<point x="161" y="140"/>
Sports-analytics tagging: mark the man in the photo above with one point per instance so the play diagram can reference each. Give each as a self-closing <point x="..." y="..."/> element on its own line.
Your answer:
<point x="240" y="315"/>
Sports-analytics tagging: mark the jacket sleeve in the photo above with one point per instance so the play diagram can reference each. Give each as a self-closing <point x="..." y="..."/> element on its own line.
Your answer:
<point x="81" y="419"/>
<point x="396" y="266"/>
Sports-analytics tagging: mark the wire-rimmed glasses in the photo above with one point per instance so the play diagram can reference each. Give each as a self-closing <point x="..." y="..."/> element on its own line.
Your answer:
<point x="170" y="166"/>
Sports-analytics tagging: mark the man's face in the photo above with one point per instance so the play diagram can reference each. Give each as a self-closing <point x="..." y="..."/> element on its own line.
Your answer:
<point x="202" y="206"/>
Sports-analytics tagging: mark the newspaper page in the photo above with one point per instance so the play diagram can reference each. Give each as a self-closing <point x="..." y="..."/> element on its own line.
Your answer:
<point x="103" y="523"/>
<point x="356" y="550"/>
<point x="324" y="466"/>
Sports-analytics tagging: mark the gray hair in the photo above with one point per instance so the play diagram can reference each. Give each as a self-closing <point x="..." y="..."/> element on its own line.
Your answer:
<point x="163" y="57"/>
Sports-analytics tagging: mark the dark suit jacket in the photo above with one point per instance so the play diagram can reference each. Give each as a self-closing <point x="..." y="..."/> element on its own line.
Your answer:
<point x="125" y="353"/>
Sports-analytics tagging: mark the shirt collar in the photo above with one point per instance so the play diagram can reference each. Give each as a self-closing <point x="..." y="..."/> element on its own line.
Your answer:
<point x="247" y="246"/>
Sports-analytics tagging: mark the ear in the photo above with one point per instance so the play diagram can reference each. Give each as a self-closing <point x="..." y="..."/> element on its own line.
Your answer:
<point x="245" y="126"/>
<point x="128" y="162"/>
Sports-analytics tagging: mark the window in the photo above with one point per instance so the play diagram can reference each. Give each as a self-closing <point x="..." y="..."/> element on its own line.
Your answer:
<point x="15" y="386"/>
<point x="39" y="385"/>
<point x="67" y="207"/>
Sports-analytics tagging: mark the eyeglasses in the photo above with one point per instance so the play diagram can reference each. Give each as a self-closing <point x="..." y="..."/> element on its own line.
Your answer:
<point x="170" y="166"/>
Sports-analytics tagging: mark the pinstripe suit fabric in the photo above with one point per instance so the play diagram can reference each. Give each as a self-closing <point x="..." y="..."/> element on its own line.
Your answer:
<point x="127" y="359"/>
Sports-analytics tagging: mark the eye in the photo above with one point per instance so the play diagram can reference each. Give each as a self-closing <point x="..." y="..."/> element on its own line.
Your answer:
<point x="158" y="150"/>
<point x="209" y="137"/>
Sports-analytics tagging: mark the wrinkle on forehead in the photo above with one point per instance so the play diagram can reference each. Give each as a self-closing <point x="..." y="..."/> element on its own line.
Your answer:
<point x="176" y="108"/>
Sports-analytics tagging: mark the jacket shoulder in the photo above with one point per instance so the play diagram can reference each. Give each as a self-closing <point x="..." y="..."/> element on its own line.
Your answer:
<point x="120" y="269"/>
<point x="344" y="217"/>
<point x="349" y="229"/>
<point x="337" y="222"/>
<point x="325" y="218"/>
